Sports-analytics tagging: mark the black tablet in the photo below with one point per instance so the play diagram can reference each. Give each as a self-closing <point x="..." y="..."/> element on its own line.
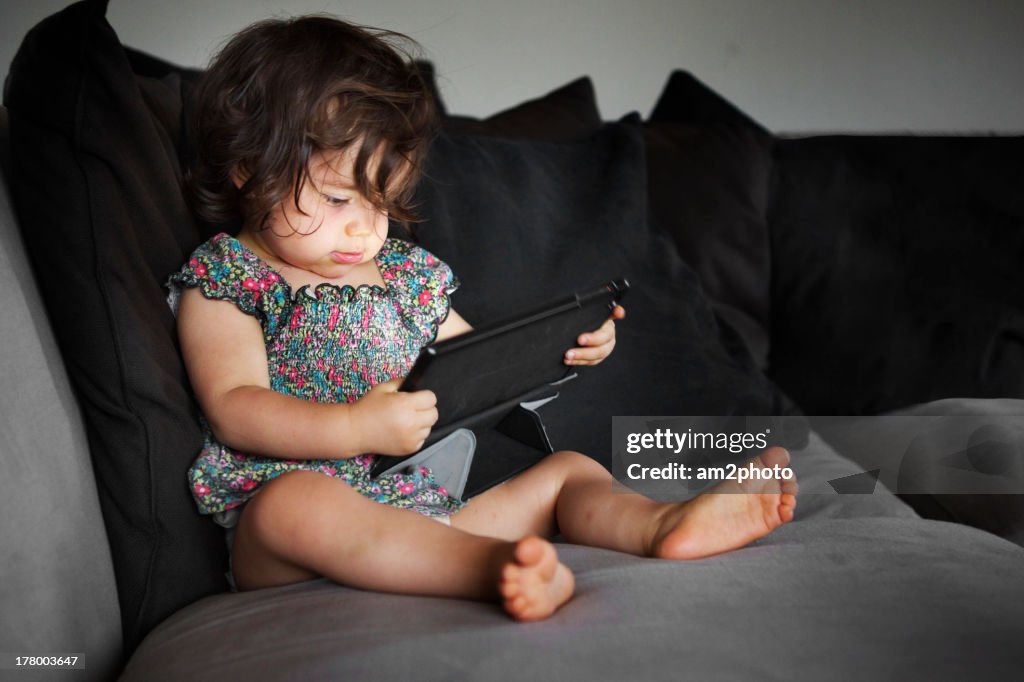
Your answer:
<point x="502" y="363"/>
<point x="510" y="357"/>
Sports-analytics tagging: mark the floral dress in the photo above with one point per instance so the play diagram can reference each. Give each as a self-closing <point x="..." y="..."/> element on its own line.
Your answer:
<point x="324" y="344"/>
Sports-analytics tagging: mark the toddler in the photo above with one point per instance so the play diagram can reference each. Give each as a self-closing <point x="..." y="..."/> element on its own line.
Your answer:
<point x="311" y="134"/>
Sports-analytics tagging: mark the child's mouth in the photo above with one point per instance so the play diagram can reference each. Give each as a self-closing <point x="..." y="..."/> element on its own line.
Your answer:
<point x="346" y="257"/>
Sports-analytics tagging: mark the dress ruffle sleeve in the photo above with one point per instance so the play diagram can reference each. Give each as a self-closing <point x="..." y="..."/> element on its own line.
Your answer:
<point x="223" y="269"/>
<point x="425" y="283"/>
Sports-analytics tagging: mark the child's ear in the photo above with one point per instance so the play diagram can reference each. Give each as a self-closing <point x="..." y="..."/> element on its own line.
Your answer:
<point x="239" y="176"/>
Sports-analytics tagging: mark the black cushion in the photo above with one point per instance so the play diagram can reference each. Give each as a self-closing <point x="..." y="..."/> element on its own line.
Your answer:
<point x="429" y="75"/>
<point x="897" y="271"/>
<point x="685" y="98"/>
<point x="709" y="169"/>
<point x="521" y="221"/>
<point x="566" y="113"/>
<point x="98" y="191"/>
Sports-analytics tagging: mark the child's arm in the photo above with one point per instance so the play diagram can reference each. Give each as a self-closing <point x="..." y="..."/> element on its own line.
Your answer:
<point x="227" y="364"/>
<point x="452" y="326"/>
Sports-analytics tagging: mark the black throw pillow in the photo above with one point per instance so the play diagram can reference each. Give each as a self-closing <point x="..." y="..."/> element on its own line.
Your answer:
<point x="687" y="99"/>
<point x="709" y="170"/>
<point x="522" y="221"/>
<point x="97" y="184"/>
<point x="897" y="270"/>
<point x="569" y="112"/>
<point x="429" y="75"/>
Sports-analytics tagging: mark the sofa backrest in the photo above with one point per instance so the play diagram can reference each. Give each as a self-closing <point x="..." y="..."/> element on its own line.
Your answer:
<point x="58" y="593"/>
<point x="896" y="275"/>
<point x="97" y="166"/>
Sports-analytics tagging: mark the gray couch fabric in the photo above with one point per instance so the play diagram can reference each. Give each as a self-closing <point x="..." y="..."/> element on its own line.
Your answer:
<point x="57" y="593"/>
<point x="873" y="598"/>
<point x="857" y="587"/>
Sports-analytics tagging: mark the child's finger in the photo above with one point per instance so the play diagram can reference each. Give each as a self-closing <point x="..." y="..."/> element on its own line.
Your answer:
<point x="589" y="355"/>
<point x="425" y="405"/>
<point x="601" y="335"/>
<point x="429" y="418"/>
<point x="423" y="400"/>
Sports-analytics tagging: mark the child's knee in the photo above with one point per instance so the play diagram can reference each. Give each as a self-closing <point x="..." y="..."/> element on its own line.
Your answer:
<point x="577" y="463"/>
<point x="285" y="508"/>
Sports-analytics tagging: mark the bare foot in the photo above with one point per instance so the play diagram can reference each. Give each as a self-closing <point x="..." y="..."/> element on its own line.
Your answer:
<point x="534" y="584"/>
<point x="730" y="515"/>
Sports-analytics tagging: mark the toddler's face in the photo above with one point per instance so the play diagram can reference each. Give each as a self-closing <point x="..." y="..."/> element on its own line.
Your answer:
<point x="338" y="228"/>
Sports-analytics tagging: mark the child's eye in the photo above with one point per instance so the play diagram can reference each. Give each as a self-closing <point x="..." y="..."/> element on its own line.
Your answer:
<point x="335" y="201"/>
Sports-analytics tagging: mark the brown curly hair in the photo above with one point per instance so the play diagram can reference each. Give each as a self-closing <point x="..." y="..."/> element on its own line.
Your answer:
<point x="283" y="89"/>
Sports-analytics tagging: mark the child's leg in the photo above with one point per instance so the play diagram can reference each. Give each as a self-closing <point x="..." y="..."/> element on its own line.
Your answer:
<point x="305" y="524"/>
<point x="573" y="494"/>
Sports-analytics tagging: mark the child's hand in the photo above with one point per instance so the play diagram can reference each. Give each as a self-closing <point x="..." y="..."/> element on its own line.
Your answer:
<point x="393" y="422"/>
<point x="595" y="346"/>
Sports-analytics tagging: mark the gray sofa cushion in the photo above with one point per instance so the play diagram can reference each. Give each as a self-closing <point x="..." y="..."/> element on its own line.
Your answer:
<point x="107" y="141"/>
<point x="959" y="459"/>
<point x="57" y="591"/>
<point x="857" y="587"/>
<point x="868" y="599"/>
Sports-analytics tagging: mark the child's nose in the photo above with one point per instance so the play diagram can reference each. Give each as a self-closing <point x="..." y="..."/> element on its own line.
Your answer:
<point x="357" y="228"/>
<point x="361" y="223"/>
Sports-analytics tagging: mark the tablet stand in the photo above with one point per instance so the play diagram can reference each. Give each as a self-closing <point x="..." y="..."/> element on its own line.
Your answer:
<point x="510" y="438"/>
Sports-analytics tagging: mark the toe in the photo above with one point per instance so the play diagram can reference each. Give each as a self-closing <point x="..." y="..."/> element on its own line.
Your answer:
<point x="510" y="584"/>
<point x="539" y="555"/>
<point x="529" y="551"/>
<point x="787" y="507"/>
<point x="775" y="456"/>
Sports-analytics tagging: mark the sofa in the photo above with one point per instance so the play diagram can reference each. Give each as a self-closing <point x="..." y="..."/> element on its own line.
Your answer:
<point x="864" y="276"/>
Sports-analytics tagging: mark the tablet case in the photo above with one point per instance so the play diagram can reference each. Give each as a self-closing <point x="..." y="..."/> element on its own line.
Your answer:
<point x="512" y="438"/>
<point x="449" y="461"/>
<point x="513" y="445"/>
<point x="509" y="431"/>
<point x="500" y="362"/>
